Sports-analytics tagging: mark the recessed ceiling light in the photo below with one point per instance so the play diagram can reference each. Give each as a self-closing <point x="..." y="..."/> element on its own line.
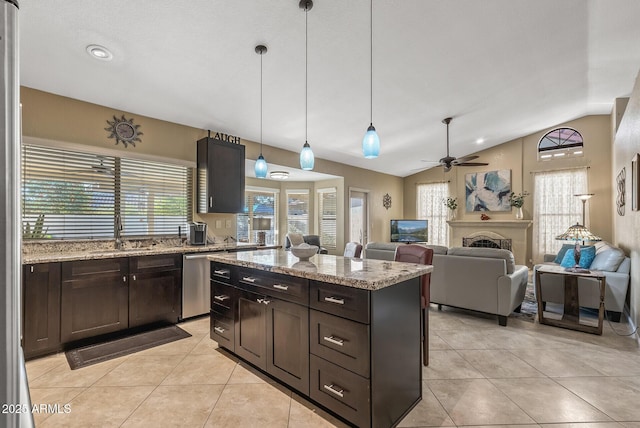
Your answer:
<point x="279" y="175"/>
<point x="480" y="141"/>
<point x="99" y="52"/>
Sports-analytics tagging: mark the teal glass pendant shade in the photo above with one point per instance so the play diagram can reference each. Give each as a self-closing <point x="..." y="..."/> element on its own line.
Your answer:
<point x="306" y="157"/>
<point x="261" y="167"/>
<point x="371" y="143"/>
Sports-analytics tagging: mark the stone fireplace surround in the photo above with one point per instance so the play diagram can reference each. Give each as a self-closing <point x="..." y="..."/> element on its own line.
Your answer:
<point x="514" y="230"/>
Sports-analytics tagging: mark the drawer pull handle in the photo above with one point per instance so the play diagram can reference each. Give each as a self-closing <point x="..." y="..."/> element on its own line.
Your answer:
<point x="335" y="340"/>
<point x="281" y="287"/>
<point x="219" y="330"/>
<point x="332" y="299"/>
<point x="263" y="301"/>
<point x="221" y="272"/>
<point x="221" y="297"/>
<point x="332" y="389"/>
<point x="248" y="279"/>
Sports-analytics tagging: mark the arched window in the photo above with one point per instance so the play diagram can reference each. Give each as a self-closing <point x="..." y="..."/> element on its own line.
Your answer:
<point x="560" y="143"/>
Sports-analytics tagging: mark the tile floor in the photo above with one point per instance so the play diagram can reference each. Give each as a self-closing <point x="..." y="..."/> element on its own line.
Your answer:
<point x="480" y="374"/>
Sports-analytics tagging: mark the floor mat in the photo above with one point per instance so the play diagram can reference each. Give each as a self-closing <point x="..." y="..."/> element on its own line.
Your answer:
<point x="93" y="354"/>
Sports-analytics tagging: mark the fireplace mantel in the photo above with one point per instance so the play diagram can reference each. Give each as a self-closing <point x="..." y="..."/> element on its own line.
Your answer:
<point x="516" y="230"/>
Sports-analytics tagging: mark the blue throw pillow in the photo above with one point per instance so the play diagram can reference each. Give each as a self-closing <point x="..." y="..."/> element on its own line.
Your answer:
<point x="562" y="252"/>
<point x="587" y="254"/>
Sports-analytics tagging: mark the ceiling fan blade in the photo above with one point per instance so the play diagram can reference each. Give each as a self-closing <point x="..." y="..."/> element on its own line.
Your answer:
<point x="465" y="159"/>
<point x="472" y="164"/>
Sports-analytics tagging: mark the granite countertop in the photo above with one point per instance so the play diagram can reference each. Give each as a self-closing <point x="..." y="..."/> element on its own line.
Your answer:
<point x="367" y="274"/>
<point x="70" y="253"/>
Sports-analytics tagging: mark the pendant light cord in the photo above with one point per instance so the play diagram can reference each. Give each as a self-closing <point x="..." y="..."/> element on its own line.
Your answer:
<point x="306" y="71"/>
<point x="261" y="54"/>
<point x="371" y="60"/>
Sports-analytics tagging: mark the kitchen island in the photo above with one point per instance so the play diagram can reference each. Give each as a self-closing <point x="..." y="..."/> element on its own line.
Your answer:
<point x="343" y="332"/>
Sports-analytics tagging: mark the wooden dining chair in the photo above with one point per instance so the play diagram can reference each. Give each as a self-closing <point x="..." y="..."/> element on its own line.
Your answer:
<point x="422" y="255"/>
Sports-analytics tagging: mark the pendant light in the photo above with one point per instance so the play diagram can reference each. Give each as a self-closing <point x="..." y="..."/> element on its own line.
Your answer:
<point x="261" y="164"/>
<point x="371" y="141"/>
<point x="306" y="155"/>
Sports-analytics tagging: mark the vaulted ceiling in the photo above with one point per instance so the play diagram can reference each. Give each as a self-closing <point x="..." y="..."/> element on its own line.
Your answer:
<point x="501" y="68"/>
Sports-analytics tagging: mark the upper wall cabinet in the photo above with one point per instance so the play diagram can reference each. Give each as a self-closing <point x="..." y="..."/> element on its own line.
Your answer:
<point x="220" y="177"/>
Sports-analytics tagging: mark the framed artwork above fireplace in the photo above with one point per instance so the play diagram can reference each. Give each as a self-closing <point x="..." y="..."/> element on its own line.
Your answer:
<point x="488" y="191"/>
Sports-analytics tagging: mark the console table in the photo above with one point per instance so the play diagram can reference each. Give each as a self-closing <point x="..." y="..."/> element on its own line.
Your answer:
<point x="571" y="313"/>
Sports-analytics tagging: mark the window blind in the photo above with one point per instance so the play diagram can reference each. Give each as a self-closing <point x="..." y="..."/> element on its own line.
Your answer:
<point x="327" y="215"/>
<point x="73" y="195"/>
<point x="298" y="211"/>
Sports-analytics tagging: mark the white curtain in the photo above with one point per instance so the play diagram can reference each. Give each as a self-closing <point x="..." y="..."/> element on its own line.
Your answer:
<point x="555" y="208"/>
<point x="430" y="200"/>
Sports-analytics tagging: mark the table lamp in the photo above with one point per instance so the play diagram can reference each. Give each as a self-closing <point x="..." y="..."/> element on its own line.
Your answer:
<point x="261" y="224"/>
<point x="578" y="233"/>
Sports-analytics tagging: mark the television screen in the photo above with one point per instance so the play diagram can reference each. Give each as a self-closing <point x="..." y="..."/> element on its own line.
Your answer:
<point x="409" y="231"/>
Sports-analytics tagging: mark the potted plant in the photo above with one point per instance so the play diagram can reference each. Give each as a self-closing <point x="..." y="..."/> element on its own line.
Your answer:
<point x="452" y="205"/>
<point x="517" y="200"/>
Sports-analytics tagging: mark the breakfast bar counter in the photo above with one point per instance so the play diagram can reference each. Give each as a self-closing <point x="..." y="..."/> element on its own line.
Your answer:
<point x="341" y="331"/>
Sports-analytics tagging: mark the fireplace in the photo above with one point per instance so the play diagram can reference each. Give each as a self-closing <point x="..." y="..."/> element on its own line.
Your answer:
<point x="509" y="234"/>
<point x="487" y="240"/>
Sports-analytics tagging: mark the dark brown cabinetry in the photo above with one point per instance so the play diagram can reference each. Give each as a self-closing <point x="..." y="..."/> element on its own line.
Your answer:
<point x="354" y="351"/>
<point x="94" y="298"/>
<point x="154" y="289"/>
<point x="220" y="183"/>
<point x="40" y="308"/>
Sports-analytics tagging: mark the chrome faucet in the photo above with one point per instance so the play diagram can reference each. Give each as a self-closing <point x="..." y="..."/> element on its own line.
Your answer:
<point x="118" y="232"/>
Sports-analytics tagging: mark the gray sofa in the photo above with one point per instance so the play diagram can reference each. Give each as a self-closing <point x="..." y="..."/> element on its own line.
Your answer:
<point x="616" y="267"/>
<point x="479" y="279"/>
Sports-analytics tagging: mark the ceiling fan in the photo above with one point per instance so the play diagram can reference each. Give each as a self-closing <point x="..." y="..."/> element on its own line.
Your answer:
<point x="449" y="161"/>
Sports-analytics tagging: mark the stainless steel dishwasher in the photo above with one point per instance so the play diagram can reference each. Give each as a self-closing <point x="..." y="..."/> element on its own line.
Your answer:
<point x="196" y="290"/>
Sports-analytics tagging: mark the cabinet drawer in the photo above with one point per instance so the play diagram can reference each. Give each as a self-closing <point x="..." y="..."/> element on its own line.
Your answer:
<point x="346" y="302"/>
<point x="222" y="272"/>
<point x="222" y="298"/>
<point x="221" y="330"/>
<point x="81" y="269"/>
<point x="341" y="341"/>
<point x="156" y="263"/>
<point x="340" y="390"/>
<point x="286" y="287"/>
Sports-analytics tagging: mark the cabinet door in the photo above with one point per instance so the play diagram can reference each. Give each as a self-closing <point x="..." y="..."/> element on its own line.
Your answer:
<point x="288" y="343"/>
<point x="94" y="298"/>
<point x="220" y="176"/>
<point x="154" y="297"/>
<point x="250" y="329"/>
<point x="41" y="308"/>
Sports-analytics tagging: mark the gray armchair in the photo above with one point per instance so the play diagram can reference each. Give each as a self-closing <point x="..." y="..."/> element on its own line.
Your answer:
<point x="308" y="239"/>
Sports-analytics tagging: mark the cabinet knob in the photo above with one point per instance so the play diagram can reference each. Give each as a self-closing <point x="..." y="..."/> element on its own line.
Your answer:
<point x="124" y="278"/>
<point x="134" y="277"/>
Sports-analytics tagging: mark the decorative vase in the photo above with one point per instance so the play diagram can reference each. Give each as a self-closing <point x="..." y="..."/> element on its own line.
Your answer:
<point x="452" y="215"/>
<point x="519" y="214"/>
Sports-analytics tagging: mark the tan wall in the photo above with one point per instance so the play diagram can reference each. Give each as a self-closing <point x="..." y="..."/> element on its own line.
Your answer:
<point x="53" y="117"/>
<point x="627" y="228"/>
<point x="520" y="156"/>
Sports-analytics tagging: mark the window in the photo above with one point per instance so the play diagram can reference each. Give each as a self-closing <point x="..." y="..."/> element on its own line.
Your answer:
<point x="73" y="195"/>
<point x="560" y="143"/>
<point x="298" y="211"/>
<point x="327" y="216"/>
<point x="555" y="207"/>
<point x="259" y="203"/>
<point x="430" y="199"/>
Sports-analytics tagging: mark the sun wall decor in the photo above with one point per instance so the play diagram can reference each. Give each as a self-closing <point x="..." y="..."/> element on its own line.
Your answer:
<point x="124" y="131"/>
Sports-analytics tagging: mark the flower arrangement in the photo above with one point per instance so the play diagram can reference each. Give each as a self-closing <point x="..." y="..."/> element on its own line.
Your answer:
<point x="451" y="203"/>
<point x="517" y="200"/>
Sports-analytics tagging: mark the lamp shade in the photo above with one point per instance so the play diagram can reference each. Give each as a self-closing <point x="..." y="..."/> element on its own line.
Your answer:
<point x="261" y="223"/>
<point x="578" y="232"/>
<point x="261" y="167"/>
<point x="306" y="157"/>
<point x="371" y="143"/>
